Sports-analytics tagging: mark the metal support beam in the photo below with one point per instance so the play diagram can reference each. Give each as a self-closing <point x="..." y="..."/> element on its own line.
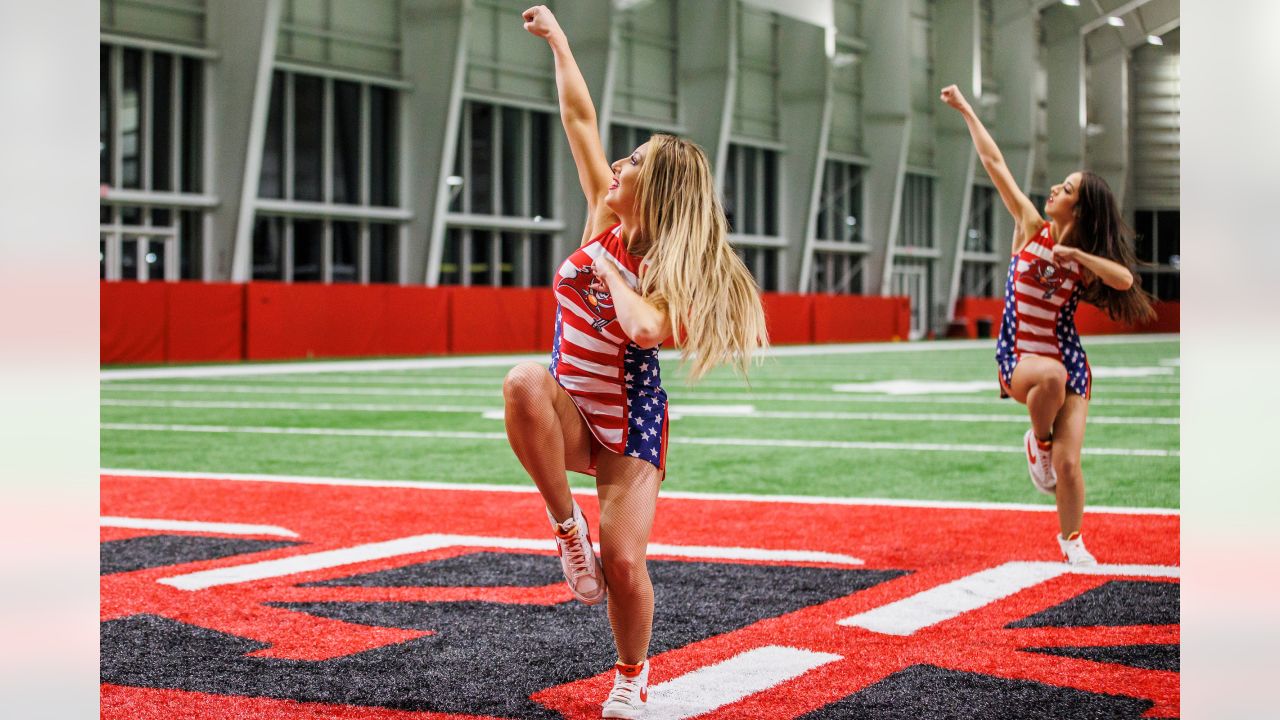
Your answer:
<point x="887" y="130"/>
<point x="1065" y="67"/>
<point x="434" y="36"/>
<point x="1108" y="102"/>
<point x="243" y="33"/>
<point x="958" y="53"/>
<point x="707" y="72"/>
<point x="805" y="95"/>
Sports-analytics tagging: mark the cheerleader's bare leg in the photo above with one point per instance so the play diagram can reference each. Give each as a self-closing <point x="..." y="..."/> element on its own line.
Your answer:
<point x="1040" y="383"/>
<point x="628" y="490"/>
<point x="547" y="434"/>
<point x="1068" y="442"/>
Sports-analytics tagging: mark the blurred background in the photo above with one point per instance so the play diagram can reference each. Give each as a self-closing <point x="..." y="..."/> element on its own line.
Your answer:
<point x="417" y="143"/>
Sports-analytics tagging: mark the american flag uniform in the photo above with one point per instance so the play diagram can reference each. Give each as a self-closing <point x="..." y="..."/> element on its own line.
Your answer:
<point x="1040" y="300"/>
<point x="615" y="383"/>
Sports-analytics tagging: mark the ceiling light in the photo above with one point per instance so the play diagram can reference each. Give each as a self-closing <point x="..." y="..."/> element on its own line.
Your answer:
<point x="1155" y="40"/>
<point x="1071" y="3"/>
<point x="1115" y="21"/>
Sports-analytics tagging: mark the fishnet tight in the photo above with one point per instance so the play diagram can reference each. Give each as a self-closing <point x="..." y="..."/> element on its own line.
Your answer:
<point x="549" y="437"/>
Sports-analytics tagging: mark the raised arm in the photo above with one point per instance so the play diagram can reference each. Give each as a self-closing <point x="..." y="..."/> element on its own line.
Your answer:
<point x="1024" y="212"/>
<point x="577" y="112"/>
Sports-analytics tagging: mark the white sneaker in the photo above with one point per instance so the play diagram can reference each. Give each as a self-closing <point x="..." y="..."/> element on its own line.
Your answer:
<point x="1073" y="550"/>
<point x="1039" y="464"/>
<point x="630" y="692"/>
<point x="577" y="559"/>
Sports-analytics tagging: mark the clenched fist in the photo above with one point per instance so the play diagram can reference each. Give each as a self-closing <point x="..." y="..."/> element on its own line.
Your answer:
<point x="952" y="96"/>
<point x="541" y="22"/>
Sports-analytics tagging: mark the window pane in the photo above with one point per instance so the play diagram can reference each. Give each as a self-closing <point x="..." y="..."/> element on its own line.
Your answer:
<point x="480" y="183"/>
<point x="162" y="122"/>
<point x="450" y="263"/>
<point x="346" y="252"/>
<point x="191" y="246"/>
<point x="1170" y="287"/>
<point x="131" y="120"/>
<point x="619" y="138"/>
<point x="750" y="191"/>
<point x="456" y="192"/>
<point x="513" y="168"/>
<point x="308" y="138"/>
<point x="346" y="142"/>
<point x="161" y="217"/>
<point x="540" y="164"/>
<point x="1144" y="241"/>
<point x="382" y="253"/>
<point x="481" y="267"/>
<point x="155" y="260"/>
<point x="102" y="258"/>
<point x="1148" y="281"/>
<point x="192" y="122"/>
<point x="731" y="199"/>
<point x="823" y="231"/>
<point x="769" y="269"/>
<point x="769" y="194"/>
<point x="268" y="248"/>
<point x="131" y="215"/>
<point x="852" y="231"/>
<point x="509" y="248"/>
<point x="382" y="147"/>
<point x="839" y="200"/>
<point x="307" y="250"/>
<point x="104" y="115"/>
<point x="855" y="275"/>
<point x="539" y="260"/>
<point x="271" y="179"/>
<point x="129" y="259"/>
<point x="1168" y="237"/>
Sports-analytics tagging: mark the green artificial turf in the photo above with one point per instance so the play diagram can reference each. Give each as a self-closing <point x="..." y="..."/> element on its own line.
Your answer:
<point x="354" y="401"/>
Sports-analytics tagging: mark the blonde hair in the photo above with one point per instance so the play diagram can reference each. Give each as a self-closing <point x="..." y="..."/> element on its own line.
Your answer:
<point x="710" y="296"/>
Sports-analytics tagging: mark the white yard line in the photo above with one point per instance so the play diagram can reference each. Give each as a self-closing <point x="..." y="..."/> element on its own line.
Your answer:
<point x="743" y="442"/>
<point x="675" y="396"/>
<point x="194" y="526"/>
<point x="700" y="691"/>
<point x="427" y="380"/>
<point x="308" y="407"/>
<point x="325" y="559"/>
<point x="438" y="363"/>
<point x="679" y="495"/>
<point x="725" y="411"/>
<point x="950" y="600"/>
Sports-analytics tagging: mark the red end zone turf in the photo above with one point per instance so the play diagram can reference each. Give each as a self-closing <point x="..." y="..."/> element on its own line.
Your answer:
<point x="404" y="602"/>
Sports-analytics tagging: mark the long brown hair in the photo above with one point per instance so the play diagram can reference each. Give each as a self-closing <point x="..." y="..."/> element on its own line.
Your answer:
<point x="1100" y="230"/>
<point x="710" y="296"/>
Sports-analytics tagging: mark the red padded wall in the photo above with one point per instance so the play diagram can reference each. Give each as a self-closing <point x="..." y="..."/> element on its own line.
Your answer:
<point x="305" y="320"/>
<point x="497" y="320"/>
<point x="789" y="318"/>
<point x="1092" y="321"/>
<point x="205" y="321"/>
<point x="415" y="321"/>
<point x="857" y="318"/>
<point x="132" y="317"/>
<point x="1089" y="319"/>
<point x="192" y="321"/>
<point x="969" y="310"/>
